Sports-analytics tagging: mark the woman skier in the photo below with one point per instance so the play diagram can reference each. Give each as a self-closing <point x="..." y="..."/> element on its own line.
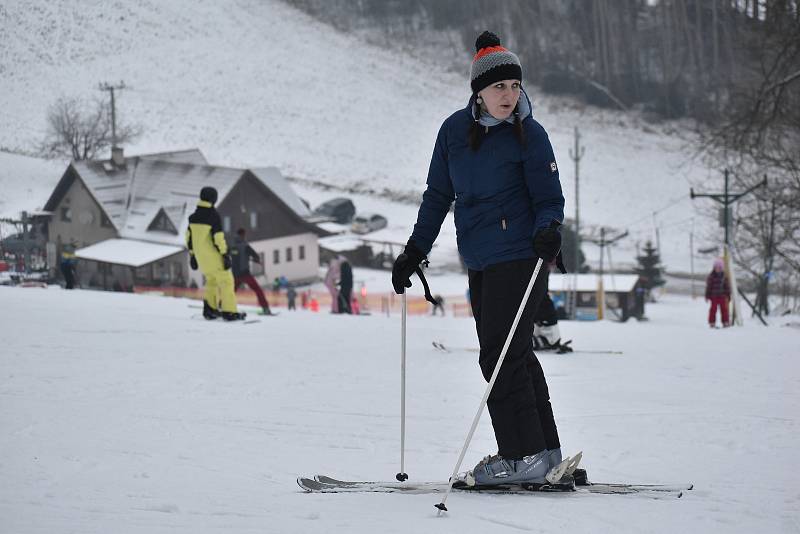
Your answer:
<point x="496" y="163"/>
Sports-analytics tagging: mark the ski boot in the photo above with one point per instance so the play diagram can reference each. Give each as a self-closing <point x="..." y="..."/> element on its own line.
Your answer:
<point x="209" y="312"/>
<point x="530" y="472"/>
<point x="233" y="316"/>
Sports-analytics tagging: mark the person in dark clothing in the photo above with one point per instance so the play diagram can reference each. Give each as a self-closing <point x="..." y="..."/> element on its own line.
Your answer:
<point x="546" y="333"/>
<point x="291" y="295"/>
<point x="67" y="267"/>
<point x="208" y="251"/>
<point x="496" y="163"/>
<point x="718" y="292"/>
<point x="241" y="254"/>
<point x="345" y="286"/>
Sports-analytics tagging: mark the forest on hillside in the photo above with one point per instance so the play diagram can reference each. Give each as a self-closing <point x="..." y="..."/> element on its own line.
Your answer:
<point x="733" y="66"/>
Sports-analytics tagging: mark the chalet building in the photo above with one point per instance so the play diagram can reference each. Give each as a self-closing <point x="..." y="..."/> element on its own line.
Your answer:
<point x="126" y="219"/>
<point x="624" y="297"/>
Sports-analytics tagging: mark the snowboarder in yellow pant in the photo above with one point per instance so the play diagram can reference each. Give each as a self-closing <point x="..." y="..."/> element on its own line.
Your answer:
<point x="209" y="251"/>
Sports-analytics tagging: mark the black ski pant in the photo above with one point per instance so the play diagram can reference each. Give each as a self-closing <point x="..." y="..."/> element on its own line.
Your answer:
<point x="69" y="276"/>
<point x="345" y="293"/>
<point x="519" y="403"/>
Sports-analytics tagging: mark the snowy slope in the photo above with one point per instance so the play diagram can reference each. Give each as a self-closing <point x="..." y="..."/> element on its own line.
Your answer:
<point x="131" y="417"/>
<point x="255" y="82"/>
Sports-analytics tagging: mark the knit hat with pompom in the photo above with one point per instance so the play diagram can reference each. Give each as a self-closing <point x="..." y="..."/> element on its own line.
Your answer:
<point x="492" y="63"/>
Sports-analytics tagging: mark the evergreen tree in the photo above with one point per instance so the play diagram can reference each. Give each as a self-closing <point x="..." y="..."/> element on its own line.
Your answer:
<point x="649" y="270"/>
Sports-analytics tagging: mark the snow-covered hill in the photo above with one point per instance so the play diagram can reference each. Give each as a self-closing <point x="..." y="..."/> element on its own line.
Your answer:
<point x="255" y="82"/>
<point x="121" y="414"/>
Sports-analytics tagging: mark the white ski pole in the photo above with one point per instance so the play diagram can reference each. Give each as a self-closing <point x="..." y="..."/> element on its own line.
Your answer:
<point x="441" y="506"/>
<point x="402" y="476"/>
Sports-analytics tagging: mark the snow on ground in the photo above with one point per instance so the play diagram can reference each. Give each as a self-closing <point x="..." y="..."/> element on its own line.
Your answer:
<point x="120" y="413"/>
<point x="255" y="82"/>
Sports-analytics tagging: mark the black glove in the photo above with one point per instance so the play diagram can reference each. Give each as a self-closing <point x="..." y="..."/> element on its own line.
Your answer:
<point x="547" y="243"/>
<point x="226" y="261"/>
<point x="404" y="266"/>
<point x="193" y="262"/>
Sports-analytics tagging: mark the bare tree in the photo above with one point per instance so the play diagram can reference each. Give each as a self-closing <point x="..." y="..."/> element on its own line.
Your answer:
<point x="758" y="131"/>
<point x="80" y="130"/>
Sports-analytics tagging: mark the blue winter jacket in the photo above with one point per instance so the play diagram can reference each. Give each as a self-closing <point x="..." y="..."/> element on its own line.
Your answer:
<point x="504" y="192"/>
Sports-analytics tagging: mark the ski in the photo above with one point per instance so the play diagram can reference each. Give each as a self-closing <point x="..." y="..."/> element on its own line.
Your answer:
<point x="325" y="484"/>
<point x="438" y="345"/>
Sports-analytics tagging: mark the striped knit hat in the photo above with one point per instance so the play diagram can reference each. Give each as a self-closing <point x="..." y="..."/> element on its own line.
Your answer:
<point x="492" y="63"/>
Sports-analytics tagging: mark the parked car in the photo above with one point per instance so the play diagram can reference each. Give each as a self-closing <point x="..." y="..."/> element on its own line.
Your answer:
<point x="368" y="222"/>
<point x="340" y="210"/>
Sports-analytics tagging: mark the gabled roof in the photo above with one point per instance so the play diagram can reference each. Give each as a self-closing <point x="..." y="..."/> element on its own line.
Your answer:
<point x="274" y="180"/>
<point x="134" y="194"/>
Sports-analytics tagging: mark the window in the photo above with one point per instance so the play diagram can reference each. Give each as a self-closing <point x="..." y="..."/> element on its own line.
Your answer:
<point x="226" y="224"/>
<point x="301" y="252"/>
<point x="66" y="214"/>
<point x="162" y="223"/>
<point x="276" y="257"/>
<point x="288" y="254"/>
<point x="253" y="220"/>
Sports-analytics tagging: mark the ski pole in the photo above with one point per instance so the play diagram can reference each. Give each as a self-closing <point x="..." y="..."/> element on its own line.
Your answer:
<point x="441" y="506"/>
<point x="402" y="476"/>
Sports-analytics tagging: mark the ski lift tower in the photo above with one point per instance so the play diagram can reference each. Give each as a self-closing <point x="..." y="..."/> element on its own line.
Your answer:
<point x="727" y="199"/>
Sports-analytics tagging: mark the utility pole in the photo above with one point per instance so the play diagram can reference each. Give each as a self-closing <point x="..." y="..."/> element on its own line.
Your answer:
<point x="110" y="88"/>
<point x="576" y="157"/>
<point x="603" y="243"/>
<point x="727" y="199"/>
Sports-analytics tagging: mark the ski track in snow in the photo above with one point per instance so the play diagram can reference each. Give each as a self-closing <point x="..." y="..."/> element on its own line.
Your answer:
<point x="141" y="420"/>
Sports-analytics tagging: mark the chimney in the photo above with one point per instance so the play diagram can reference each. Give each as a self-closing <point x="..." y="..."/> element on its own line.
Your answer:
<point x="117" y="156"/>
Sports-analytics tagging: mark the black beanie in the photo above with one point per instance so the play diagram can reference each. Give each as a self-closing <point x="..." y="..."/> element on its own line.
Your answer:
<point x="209" y="194"/>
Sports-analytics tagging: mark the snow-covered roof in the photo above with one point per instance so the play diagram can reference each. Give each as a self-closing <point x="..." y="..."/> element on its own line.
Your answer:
<point x="134" y="194"/>
<point x="332" y="227"/>
<point x="588" y="282"/>
<point x="128" y="252"/>
<point x="340" y="243"/>
<point x="274" y="180"/>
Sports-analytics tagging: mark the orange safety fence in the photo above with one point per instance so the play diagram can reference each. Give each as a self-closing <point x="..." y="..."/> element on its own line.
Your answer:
<point x="375" y="303"/>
